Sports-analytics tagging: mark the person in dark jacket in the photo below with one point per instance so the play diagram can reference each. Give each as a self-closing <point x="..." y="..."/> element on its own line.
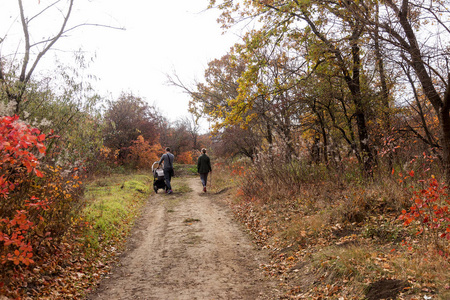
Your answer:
<point x="203" y="168"/>
<point x="167" y="158"/>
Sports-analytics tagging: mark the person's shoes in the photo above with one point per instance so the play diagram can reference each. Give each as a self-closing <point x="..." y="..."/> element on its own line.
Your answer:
<point x="204" y="189"/>
<point x="170" y="192"/>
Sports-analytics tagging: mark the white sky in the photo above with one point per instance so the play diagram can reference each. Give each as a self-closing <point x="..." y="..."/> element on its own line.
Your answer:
<point x="160" y="37"/>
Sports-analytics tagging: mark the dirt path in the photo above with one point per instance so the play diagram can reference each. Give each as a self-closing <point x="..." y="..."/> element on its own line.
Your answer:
<point x="186" y="246"/>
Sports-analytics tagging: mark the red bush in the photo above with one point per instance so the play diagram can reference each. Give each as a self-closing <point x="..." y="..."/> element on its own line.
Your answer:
<point x="19" y="145"/>
<point x="430" y="208"/>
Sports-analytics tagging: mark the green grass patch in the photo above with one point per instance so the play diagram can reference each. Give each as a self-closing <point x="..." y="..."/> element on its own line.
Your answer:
<point x="112" y="205"/>
<point x="185" y="169"/>
<point x="193" y="170"/>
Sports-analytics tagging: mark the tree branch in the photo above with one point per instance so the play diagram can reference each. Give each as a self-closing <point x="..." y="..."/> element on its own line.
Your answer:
<point x="52" y="42"/>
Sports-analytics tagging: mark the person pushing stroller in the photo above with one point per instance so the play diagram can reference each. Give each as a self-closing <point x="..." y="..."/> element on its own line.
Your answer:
<point x="167" y="158"/>
<point x="203" y="168"/>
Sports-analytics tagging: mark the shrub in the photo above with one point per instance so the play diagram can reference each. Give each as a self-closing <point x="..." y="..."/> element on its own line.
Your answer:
<point x="36" y="201"/>
<point x="186" y="157"/>
<point x="142" y="154"/>
<point x="18" y="141"/>
<point x="429" y="211"/>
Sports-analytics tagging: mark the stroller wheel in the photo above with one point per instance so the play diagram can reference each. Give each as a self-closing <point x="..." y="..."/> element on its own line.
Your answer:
<point x="155" y="188"/>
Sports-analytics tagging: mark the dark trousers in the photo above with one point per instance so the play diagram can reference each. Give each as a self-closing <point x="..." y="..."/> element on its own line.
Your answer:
<point x="168" y="177"/>
<point x="204" y="178"/>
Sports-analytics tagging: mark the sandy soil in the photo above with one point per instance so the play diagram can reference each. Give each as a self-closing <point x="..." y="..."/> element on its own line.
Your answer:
<point x="187" y="246"/>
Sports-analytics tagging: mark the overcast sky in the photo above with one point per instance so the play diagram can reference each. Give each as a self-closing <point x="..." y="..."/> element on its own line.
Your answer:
<point x="161" y="37"/>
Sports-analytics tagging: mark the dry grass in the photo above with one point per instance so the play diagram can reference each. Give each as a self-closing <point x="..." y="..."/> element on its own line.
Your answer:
<point x="338" y="239"/>
<point x="426" y="271"/>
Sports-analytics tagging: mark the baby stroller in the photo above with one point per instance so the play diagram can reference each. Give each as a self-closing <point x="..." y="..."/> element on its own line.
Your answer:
<point x="158" y="178"/>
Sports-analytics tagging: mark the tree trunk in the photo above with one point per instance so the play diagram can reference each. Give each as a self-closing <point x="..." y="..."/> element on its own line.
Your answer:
<point x="441" y="106"/>
<point x="445" y="129"/>
<point x="323" y="132"/>
<point x="325" y="142"/>
<point x="269" y="137"/>
<point x="363" y="135"/>
<point x="382" y="73"/>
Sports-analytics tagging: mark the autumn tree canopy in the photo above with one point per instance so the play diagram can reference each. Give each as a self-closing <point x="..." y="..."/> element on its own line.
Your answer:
<point x="340" y="71"/>
<point x="126" y="119"/>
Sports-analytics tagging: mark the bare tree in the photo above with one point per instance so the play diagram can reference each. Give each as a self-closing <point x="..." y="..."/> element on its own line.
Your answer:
<point x="193" y="128"/>
<point x="34" y="50"/>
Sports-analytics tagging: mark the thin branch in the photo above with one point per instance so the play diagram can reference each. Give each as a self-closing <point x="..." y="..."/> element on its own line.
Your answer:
<point x="45" y="9"/>
<point x="94" y="25"/>
<point x="75" y="27"/>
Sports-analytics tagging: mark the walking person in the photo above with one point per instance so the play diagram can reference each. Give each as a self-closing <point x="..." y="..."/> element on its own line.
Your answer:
<point x="167" y="158"/>
<point x="203" y="168"/>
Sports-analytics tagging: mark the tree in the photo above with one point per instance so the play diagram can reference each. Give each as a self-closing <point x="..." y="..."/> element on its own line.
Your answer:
<point x="320" y="32"/>
<point x="425" y="53"/>
<point x="235" y="141"/>
<point x="180" y="138"/>
<point x="190" y="124"/>
<point x="128" y="118"/>
<point x="16" y="75"/>
<point x="30" y="59"/>
<point x="210" y="99"/>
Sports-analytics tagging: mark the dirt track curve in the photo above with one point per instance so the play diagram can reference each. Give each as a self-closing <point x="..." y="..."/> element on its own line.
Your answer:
<point x="187" y="246"/>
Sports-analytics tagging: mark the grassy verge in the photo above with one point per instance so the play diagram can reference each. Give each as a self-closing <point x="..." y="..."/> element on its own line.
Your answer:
<point x="112" y="205"/>
<point x="96" y="239"/>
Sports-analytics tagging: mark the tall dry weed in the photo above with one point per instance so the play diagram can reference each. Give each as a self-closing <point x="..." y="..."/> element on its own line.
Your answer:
<point x="277" y="175"/>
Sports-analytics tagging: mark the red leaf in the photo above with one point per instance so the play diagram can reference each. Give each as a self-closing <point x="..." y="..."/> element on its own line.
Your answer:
<point x="38" y="173"/>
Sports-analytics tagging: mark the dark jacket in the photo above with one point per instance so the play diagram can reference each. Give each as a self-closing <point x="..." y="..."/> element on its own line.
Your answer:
<point x="203" y="164"/>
